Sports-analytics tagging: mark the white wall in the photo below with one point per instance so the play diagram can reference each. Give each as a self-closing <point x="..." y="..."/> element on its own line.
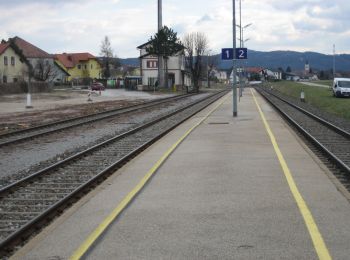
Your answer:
<point x="176" y="65"/>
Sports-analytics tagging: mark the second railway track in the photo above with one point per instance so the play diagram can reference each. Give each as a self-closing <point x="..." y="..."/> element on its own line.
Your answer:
<point x="333" y="141"/>
<point x="40" y="130"/>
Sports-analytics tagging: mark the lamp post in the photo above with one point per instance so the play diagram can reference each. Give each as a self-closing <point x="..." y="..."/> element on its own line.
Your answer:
<point x="234" y="87"/>
<point x="241" y="43"/>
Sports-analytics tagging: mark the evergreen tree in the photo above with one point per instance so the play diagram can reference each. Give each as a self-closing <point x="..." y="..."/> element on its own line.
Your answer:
<point x="165" y="44"/>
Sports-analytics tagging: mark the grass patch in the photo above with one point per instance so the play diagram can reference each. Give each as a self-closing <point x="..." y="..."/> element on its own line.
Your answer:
<point x="319" y="97"/>
<point x="323" y="82"/>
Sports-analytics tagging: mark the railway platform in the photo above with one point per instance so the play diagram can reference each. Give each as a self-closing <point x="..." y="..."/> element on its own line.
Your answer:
<point x="216" y="187"/>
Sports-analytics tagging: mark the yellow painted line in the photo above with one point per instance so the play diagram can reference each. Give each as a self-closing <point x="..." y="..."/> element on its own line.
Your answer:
<point x="84" y="247"/>
<point x="310" y="223"/>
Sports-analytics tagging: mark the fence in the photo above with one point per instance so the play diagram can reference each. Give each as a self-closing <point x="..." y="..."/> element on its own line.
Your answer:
<point x="22" y="87"/>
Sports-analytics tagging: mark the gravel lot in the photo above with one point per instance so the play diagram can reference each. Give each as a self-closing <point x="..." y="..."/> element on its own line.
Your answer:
<point x="61" y="104"/>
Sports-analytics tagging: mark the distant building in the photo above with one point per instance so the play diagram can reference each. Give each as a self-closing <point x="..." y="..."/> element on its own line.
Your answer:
<point x="307" y="67"/>
<point x="43" y="64"/>
<point x="177" y="74"/>
<point x="272" y="74"/>
<point x="292" y="76"/>
<point x="277" y="74"/>
<point x="79" y="65"/>
<point x="221" y="75"/>
<point x="307" y="74"/>
<point x="13" y="65"/>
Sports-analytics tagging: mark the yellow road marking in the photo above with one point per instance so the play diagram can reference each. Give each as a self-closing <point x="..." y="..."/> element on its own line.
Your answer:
<point x="310" y="223"/>
<point x="84" y="247"/>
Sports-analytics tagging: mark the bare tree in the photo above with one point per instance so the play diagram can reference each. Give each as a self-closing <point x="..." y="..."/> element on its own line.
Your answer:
<point x="106" y="53"/>
<point x="44" y="70"/>
<point x="196" y="45"/>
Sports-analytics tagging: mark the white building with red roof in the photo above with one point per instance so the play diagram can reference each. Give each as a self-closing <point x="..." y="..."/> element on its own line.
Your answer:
<point x="43" y="64"/>
<point x="13" y="65"/>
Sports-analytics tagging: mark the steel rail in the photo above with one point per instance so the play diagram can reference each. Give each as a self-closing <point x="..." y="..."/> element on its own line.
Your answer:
<point x="321" y="120"/>
<point x="309" y="136"/>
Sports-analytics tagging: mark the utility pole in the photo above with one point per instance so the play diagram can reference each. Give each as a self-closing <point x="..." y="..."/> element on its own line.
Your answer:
<point x="160" y="58"/>
<point x="333" y="61"/>
<point x="241" y="46"/>
<point x="234" y="87"/>
<point x="160" y="22"/>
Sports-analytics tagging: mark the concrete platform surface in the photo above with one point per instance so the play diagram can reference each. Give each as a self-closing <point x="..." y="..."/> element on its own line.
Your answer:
<point x="222" y="194"/>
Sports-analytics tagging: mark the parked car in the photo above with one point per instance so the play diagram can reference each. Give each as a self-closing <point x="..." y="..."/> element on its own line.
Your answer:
<point x="341" y="87"/>
<point x="97" y="86"/>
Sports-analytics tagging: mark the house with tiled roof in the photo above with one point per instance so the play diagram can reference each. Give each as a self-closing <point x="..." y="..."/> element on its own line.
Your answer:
<point x="177" y="73"/>
<point x="79" y="65"/>
<point x="43" y="64"/>
<point x="13" y="65"/>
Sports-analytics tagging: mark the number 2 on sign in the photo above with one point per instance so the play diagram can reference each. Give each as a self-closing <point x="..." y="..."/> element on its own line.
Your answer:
<point x="241" y="54"/>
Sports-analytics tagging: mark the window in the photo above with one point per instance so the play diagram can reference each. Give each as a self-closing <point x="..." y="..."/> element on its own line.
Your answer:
<point x="91" y="66"/>
<point x="85" y="66"/>
<point x="152" y="64"/>
<point x="4" y="79"/>
<point x="47" y="62"/>
<point x="13" y="61"/>
<point x="15" y="80"/>
<point x="5" y="61"/>
<point x="79" y="67"/>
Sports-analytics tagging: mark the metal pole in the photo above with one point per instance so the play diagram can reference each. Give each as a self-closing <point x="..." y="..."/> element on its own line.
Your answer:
<point x="160" y="60"/>
<point x="234" y="87"/>
<point x="240" y="45"/>
<point x="160" y="22"/>
<point x="208" y="69"/>
<point x="333" y="61"/>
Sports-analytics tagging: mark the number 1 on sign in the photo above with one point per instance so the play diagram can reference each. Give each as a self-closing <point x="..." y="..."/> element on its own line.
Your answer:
<point x="227" y="54"/>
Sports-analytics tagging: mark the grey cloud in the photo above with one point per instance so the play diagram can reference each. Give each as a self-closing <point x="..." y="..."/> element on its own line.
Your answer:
<point x="337" y="11"/>
<point x="26" y="2"/>
<point x="312" y="27"/>
<point x="299" y="4"/>
<point x="205" y="18"/>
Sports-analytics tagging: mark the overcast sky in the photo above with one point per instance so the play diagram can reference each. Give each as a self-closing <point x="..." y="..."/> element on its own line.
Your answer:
<point x="59" y="26"/>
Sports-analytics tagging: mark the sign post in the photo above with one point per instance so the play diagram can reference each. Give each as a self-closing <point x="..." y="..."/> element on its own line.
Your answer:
<point x="234" y="86"/>
<point x="238" y="54"/>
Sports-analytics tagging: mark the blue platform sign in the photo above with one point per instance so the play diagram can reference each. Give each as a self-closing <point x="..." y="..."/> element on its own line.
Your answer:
<point x="227" y="54"/>
<point x="241" y="53"/>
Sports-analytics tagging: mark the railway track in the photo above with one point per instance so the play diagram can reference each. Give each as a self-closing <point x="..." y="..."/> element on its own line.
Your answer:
<point x="28" y="203"/>
<point x="331" y="141"/>
<point x="37" y="131"/>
